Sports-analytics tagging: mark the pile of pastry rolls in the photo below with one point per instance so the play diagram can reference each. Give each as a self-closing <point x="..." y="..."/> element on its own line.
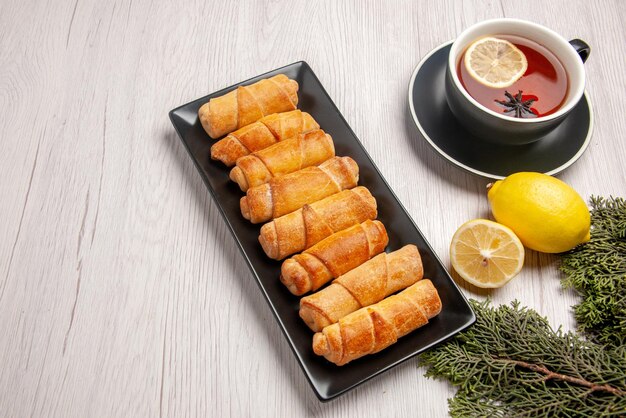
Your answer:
<point x="315" y="213"/>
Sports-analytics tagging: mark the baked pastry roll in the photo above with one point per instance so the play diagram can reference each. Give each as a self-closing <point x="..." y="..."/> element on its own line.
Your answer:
<point x="247" y="104"/>
<point x="333" y="256"/>
<point x="299" y="230"/>
<point x="284" y="194"/>
<point x="376" y="327"/>
<point x="261" y="134"/>
<point x="367" y="284"/>
<point x="301" y="151"/>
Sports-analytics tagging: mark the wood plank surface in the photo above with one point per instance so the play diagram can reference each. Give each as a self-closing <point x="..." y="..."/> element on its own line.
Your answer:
<point x="122" y="292"/>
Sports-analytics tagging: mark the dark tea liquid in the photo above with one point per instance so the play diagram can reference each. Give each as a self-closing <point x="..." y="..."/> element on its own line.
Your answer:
<point x="545" y="80"/>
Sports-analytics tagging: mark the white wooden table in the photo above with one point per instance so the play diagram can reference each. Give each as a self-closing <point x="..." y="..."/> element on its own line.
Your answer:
<point x="122" y="293"/>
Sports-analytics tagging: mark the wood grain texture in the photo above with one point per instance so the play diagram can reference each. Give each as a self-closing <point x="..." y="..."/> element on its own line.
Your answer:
<point x="122" y="292"/>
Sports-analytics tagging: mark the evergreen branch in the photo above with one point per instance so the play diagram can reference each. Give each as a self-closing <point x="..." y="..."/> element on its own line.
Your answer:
<point x="558" y="376"/>
<point x="597" y="271"/>
<point x="512" y="363"/>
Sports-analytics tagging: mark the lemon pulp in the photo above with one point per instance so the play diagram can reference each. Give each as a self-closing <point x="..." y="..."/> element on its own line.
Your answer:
<point x="486" y="254"/>
<point x="495" y="62"/>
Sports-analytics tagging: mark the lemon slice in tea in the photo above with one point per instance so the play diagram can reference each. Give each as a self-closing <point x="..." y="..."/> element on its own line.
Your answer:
<point x="486" y="254"/>
<point x="495" y="62"/>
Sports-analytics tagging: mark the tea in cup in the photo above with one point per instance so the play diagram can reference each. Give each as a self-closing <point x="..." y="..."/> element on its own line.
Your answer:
<point x="511" y="81"/>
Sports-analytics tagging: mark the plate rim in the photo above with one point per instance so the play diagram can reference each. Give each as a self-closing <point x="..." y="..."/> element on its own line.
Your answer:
<point x="327" y="396"/>
<point x="466" y="167"/>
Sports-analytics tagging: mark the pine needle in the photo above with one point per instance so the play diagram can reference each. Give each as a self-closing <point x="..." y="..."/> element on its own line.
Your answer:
<point x="597" y="271"/>
<point x="512" y="363"/>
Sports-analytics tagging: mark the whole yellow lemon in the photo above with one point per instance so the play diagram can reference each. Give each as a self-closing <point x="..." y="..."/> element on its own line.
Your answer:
<point x="545" y="213"/>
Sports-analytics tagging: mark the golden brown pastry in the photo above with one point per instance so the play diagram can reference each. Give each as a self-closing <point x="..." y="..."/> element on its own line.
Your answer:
<point x="285" y="194"/>
<point x="303" y="150"/>
<point x="333" y="256"/>
<point x="305" y="227"/>
<point x="369" y="283"/>
<point x="373" y="328"/>
<point x="247" y="104"/>
<point x="261" y="134"/>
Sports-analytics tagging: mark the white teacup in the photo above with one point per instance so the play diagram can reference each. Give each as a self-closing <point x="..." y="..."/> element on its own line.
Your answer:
<point x="498" y="127"/>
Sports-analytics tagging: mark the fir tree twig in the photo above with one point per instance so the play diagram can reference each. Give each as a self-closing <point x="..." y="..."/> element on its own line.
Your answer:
<point x="512" y="363"/>
<point x="597" y="271"/>
<point x="569" y="379"/>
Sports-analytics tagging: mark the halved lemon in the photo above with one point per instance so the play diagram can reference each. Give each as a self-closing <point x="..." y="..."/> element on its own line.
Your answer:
<point x="495" y="62"/>
<point x="486" y="254"/>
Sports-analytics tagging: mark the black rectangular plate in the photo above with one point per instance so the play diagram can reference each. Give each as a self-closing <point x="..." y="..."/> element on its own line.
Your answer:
<point x="327" y="380"/>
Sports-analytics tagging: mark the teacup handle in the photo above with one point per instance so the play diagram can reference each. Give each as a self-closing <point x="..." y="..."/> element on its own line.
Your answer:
<point x="581" y="48"/>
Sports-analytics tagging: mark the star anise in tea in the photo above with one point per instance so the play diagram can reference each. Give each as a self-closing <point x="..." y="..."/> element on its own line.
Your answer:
<point x="520" y="108"/>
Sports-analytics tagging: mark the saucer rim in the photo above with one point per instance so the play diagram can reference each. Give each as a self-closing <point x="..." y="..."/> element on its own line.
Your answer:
<point x="466" y="167"/>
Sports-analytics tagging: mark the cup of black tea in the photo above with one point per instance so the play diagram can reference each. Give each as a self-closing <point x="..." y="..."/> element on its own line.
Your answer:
<point x="511" y="81"/>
